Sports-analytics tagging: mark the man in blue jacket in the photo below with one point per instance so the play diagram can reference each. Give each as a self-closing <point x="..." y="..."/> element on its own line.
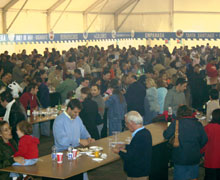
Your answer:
<point x="136" y="155"/>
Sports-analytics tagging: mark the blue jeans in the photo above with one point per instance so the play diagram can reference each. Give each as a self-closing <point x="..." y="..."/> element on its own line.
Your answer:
<point x="28" y="162"/>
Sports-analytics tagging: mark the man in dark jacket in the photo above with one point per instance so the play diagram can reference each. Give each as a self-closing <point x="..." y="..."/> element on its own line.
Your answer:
<point x="136" y="155"/>
<point x="135" y="95"/>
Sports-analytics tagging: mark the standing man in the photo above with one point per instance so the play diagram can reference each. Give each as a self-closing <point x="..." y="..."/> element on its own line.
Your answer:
<point x="176" y="96"/>
<point x="68" y="129"/>
<point x="135" y="95"/>
<point x="136" y="155"/>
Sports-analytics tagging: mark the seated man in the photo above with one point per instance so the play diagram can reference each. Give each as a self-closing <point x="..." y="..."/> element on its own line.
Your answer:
<point x="68" y="129"/>
<point x="136" y="155"/>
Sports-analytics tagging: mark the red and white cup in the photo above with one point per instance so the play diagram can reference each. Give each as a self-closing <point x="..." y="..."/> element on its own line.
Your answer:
<point x="74" y="153"/>
<point x="59" y="157"/>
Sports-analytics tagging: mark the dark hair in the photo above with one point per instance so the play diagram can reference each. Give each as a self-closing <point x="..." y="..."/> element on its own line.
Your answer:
<point x="118" y="92"/>
<point x="134" y="76"/>
<point x="96" y="85"/>
<point x="216" y="116"/>
<point x="69" y="94"/>
<point x="213" y="93"/>
<point x="74" y="103"/>
<point x="6" y="95"/>
<point x="59" y="68"/>
<point x="78" y="71"/>
<point x="31" y="86"/>
<point x="86" y="90"/>
<point x="25" y="127"/>
<point x="84" y="79"/>
<point x="184" y="110"/>
<point x="161" y="83"/>
<point x="180" y="81"/>
<point x="2" y="123"/>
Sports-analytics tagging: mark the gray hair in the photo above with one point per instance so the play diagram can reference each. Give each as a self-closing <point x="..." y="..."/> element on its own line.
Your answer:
<point x="135" y="117"/>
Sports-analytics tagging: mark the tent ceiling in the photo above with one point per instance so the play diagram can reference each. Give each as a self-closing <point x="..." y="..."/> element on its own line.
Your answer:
<point x="113" y="5"/>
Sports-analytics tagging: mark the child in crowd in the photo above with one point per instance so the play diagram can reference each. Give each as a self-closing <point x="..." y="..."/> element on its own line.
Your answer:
<point x="27" y="146"/>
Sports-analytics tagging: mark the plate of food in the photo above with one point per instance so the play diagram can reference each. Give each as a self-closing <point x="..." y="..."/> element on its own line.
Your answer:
<point x="94" y="148"/>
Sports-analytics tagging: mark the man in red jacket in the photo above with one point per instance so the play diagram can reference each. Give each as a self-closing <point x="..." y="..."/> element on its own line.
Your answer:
<point x="212" y="72"/>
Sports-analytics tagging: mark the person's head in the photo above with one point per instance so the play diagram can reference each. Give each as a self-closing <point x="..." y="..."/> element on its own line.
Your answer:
<point x="5" y="131"/>
<point x="149" y="72"/>
<point x="85" y="93"/>
<point x="95" y="90"/>
<point x="32" y="88"/>
<point x="5" y="98"/>
<point x="24" y="128"/>
<point x="77" y="73"/>
<point x="197" y="68"/>
<point x="213" y="94"/>
<point x="133" y="120"/>
<point x="58" y="70"/>
<point x="106" y="75"/>
<point x="85" y="82"/>
<point x="181" y="84"/>
<point x="40" y="65"/>
<point x="216" y="116"/>
<point x="73" y="108"/>
<point x="150" y="83"/>
<point x="5" y="77"/>
<point x="183" y="111"/>
<point x="43" y="74"/>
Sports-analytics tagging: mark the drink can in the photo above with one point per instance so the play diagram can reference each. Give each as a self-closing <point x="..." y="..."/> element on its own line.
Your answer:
<point x="70" y="155"/>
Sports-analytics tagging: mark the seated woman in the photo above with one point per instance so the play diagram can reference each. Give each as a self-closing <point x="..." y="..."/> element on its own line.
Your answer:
<point x="212" y="148"/>
<point x="7" y="149"/>
<point x="191" y="137"/>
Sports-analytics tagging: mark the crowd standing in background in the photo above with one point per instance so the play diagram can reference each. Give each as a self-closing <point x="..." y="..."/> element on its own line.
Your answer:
<point x="111" y="82"/>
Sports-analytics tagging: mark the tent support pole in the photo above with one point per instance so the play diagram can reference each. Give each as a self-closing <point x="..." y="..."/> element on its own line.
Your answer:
<point x="17" y="15"/>
<point x="61" y="14"/>
<point x="4" y="11"/>
<point x="127" y="15"/>
<point x="171" y="15"/>
<point x="50" y="10"/>
<point x="96" y="16"/>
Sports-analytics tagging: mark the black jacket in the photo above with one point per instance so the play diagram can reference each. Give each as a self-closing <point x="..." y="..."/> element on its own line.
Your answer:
<point x="192" y="138"/>
<point x="137" y="160"/>
<point x="135" y="97"/>
<point x="6" y="158"/>
<point x="16" y="115"/>
<point x="89" y="115"/>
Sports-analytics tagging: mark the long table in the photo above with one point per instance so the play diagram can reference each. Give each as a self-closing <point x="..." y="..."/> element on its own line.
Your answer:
<point x="45" y="167"/>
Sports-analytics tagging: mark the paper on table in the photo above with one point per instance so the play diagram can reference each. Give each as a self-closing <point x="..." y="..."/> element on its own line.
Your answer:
<point x="97" y="159"/>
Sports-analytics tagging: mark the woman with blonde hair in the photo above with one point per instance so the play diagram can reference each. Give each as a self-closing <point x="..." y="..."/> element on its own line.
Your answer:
<point x="151" y="105"/>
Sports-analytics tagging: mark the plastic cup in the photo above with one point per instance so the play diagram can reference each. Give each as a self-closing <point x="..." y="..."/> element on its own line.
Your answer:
<point x="74" y="153"/>
<point x="60" y="157"/>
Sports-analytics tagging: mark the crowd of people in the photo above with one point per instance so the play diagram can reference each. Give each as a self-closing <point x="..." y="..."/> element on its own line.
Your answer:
<point x="99" y="87"/>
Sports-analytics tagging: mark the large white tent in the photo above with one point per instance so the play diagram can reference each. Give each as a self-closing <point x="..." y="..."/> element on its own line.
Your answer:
<point x="40" y="16"/>
<point x="78" y="16"/>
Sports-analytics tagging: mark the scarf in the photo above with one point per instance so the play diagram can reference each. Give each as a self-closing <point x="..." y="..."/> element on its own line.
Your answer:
<point x="8" y="110"/>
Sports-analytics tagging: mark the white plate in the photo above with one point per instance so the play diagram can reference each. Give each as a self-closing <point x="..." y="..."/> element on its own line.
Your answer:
<point x="96" y="148"/>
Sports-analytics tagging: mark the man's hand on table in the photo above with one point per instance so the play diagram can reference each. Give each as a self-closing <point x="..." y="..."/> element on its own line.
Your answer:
<point x="19" y="160"/>
<point x="86" y="142"/>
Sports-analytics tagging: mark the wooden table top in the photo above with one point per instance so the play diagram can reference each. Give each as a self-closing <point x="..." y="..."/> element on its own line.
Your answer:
<point x="45" y="167"/>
